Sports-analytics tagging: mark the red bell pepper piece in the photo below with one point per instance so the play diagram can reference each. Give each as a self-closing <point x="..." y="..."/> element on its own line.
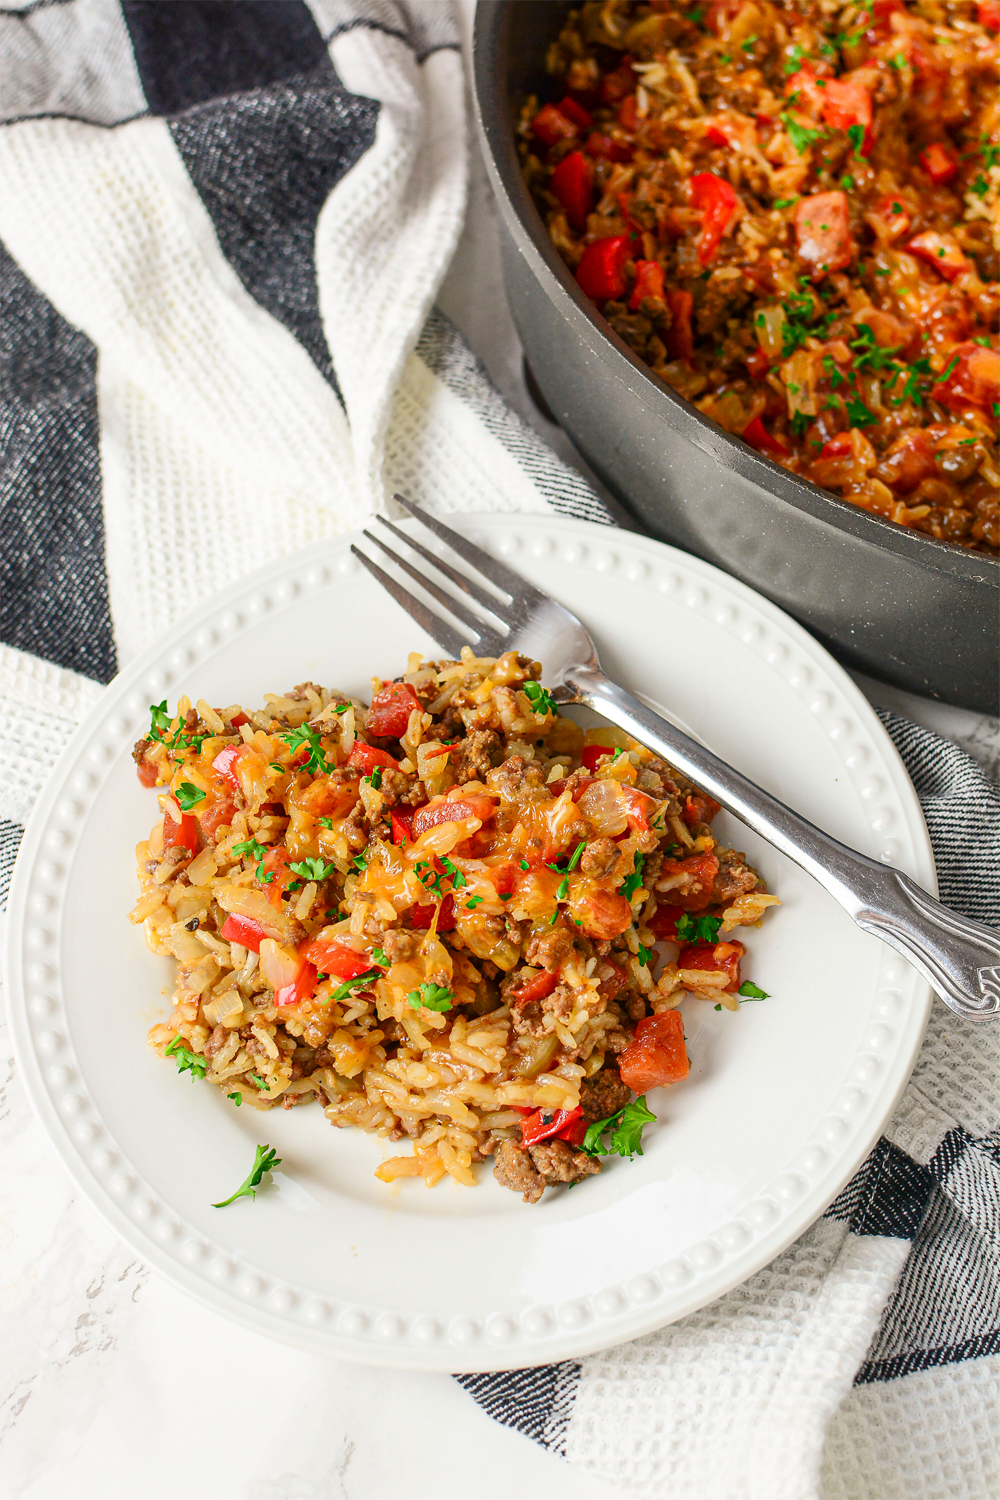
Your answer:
<point x="546" y="1123"/>
<point x="367" y="757"/>
<point x="300" y="989"/>
<point x="244" y="930"/>
<point x="453" y="810"/>
<point x="894" y="214"/>
<point x="656" y="1056"/>
<point x="536" y="989"/>
<point x="988" y="14"/>
<point x="591" y="754"/>
<point x="717" y="200"/>
<point x="940" y="251"/>
<point x="575" y="112"/>
<point x="714" y="957"/>
<point x="680" y="338"/>
<point x="601" y="272"/>
<point x="336" y="959"/>
<point x="627" y="113"/>
<point x="422" y="916"/>
<point x="838" y="447"/>
<point x="180" y="829"/>
<point x="757" y="435"/>
<point x="402" y="826"/>
<point x="614" y="86"/>
<point x="391" y="708"/>
<point x="605" y="914"/>
<point x="219" y="815"/>
<point x="607" y="148"/>
<point x="572" y="181"/>
<point x="971" y="378"/>
<point x="648" y="282"/>
<point x="757" y="363"/>
<point x="551" y="125"/>
<point x="663" y="923"/>
<point x="693" y="891"/>
<point x="823" y="232"/>
<point x="225" y="764"/>
<point x="146" y="772"/>
<point x="846" y="102"/>
<point x="939" y="163"/>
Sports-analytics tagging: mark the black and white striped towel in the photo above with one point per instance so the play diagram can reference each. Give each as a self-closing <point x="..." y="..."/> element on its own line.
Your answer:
<point x="222" y="227"/>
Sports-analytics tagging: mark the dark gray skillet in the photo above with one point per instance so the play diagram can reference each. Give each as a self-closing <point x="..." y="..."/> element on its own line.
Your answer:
<point x="891" y="602"/>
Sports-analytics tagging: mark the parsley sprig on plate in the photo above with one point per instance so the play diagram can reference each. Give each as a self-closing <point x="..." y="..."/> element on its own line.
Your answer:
<point x="624" y="1128"/>
<point x="265" y="1160"/>
<point x="186" y="1060"/>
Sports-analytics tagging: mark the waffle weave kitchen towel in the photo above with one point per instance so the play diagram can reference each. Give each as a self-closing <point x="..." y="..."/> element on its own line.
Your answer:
<point x="222" y="226"/>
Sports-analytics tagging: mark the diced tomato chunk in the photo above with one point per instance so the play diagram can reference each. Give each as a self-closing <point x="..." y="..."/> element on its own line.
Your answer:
<point x="551" y="125"/>
<point x="656" y="1055"/>
<point x="757" y="363"/>
<point x="616" y="85"/>
<point x="699" y="809"/>
<point x="988" y="14"/>
<point x="757" y="435"/>
<point x="939" y="162"/>
<point x="225" y="764"/>
<point x="179" y="829"/>
<point x="575" y="112"/>
<point x="536" y="989"/>
<point x="839" y="446"/>
<point x="244" y="930"/>
<point x="663" y="922"/>
<point x="680" y="338"/>
<point x="572" y="181"/>
<point x="422" y="916"/>
<point x="627" y="113"/>
<point x="366" y="758"/>
<point x="604" y="914"/>
<point x="717" y="200"/>
<point x="219" y="815"/>
<point x="648" y="282"/>
<point x="391" y="708"/>
<point x="336" y="959"/>
<point x="601" y="272"/>
<point x="941" y="251"/>
<point x="146" y="772"/>
<point x="453" y="810"/>
<point x="591" y="754"/>
<point x="695" y="877"/>
<point x="908" y="460"/>
<point x="402" y="826"/>
<point x="546" y="1123"/>
<point x="972" y="378"/>
<point x="715" y="958"/>
<point x="847" y="103"/>
<point x="823" y="232"/>
<point x="275" y="875"/>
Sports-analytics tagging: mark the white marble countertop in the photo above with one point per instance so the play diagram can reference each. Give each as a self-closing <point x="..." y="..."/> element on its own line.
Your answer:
<point x="112" y="1383"/>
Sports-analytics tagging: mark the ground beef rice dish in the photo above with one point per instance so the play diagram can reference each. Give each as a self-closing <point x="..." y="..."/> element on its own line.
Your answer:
<point x="791" y="212"/>
<point x="437" y="916"/>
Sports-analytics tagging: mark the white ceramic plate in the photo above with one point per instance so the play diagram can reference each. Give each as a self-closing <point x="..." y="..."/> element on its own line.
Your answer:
<point x="784" y="1099"/>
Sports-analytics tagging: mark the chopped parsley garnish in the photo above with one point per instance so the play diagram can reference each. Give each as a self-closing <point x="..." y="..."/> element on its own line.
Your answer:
<point x="949" y="369"/>
<point x="458" y="880"/>
<point x="325" y="822"/>
<point x="692" y="929"/>
<point x="980" y="186"/>
<point x="780" y="203"/>
<point x="375" y="779"/>
<point x="188" y="795"/>
<point x="341" y="708"/>
<point x="473" y="902"/>
<point x="750" y="991"/>
<point x="989" y="152"/>
<point x="186" y="1060"/>
<point x="360" y="862"/>
<point x="313" y="869"/>
<point x="799" y="323"/>
<point x="506" y="895"/>
<point x="986" y="345"/>
<point x="898" y="62"/>
<point x="258" y="1082"/>
<point x="645" y="954"/>
<point x="159" y="720"/>
<point x="524" y="864"/>
<point x="749" y="44"/>
<point x="298" y="739"/>
<point x="847" y="183"/>
<point x="695" y="15"/>
<point x="871" y="356"/>
<point x="432" y="880"/>
<point x="265" y="1160"/>
<point x="857" y="412"/>
<point x="259" y="853"/>
<point x="575" y="858"/>
<point x="276" y="765"/>
<point x="554" y="917"/>
<point x="431" y="997"/>
<point x="563" y="890"/>
<point x="633" y="881"/>
<point x="856" y="136"/>
<point x="801" y="136"/>
<point x="343" y="990"/>
<point x="792" y="61"/>
<point x="381" y="957"/>
<point x="625" y="1128"/>
<point x="910" y="392"/>
<point x="799" y="423"/>
<point x="540" y="698"/>
<point x="833" y="374"/>
<point x="237" y="1098"/>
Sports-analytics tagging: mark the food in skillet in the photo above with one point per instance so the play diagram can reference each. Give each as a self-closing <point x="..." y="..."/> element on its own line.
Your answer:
<point x="437" y="916"/>
<point x="791" y="212"/>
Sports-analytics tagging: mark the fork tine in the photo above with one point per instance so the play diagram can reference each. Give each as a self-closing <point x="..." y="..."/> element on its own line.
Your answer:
<point x="439" y="630"/>
<point x="483" y="633"/>
<point x="512" y="583"/>
<point x="488" y="601"/>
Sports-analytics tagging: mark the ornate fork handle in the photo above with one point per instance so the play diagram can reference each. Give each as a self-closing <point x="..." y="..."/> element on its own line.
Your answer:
<point x="960" y="958"/>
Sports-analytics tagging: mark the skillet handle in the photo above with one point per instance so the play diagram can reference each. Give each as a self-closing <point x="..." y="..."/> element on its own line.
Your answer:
<point x="960" y="958"/>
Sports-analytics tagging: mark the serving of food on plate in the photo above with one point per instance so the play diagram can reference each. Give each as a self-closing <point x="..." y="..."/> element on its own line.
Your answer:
<point x="437" y="916"/>
<point x="791" y="213"/>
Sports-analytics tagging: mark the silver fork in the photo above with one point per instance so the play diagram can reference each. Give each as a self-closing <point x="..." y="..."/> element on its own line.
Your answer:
<point x="960" y="958"/>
